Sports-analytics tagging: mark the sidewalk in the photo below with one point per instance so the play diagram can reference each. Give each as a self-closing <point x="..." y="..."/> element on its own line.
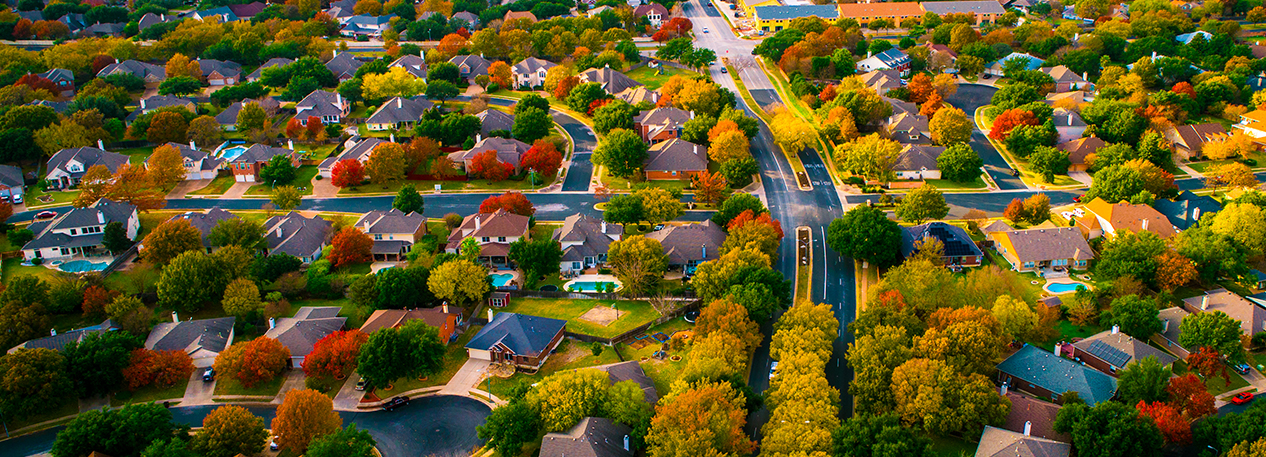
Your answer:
<point x="467" y="378"/>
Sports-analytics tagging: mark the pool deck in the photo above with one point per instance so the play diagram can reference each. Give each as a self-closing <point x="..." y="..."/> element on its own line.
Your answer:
<point x="516" y="279"/>
<point x="594" y="279"/>
<point x="1065" y="280"/>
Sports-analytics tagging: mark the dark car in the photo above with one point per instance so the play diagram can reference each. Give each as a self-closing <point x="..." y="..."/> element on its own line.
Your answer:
<point x="209" y="375"/>
<point x="395" y="402"/>
<point x="1077" y="198"/>
<point x="1241" y="368"/>
<point x="45" y="215"/>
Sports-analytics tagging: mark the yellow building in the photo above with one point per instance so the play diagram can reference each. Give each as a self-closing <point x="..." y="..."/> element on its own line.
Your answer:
<point x="749" y="7"/>
<point x="775" y="18"/>
<point x="866" y="12"/>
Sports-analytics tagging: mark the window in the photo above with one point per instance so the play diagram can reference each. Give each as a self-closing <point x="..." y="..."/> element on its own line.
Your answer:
<point x="501" y="239"/>
<point x="486" y="239"/>
<point x="377" y="236"/>
<point x="74" y="232"/>
<point x="575" y="265"/>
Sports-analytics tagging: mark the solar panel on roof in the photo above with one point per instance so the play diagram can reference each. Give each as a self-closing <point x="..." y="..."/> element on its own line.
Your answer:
<point x="1109" y="354"/>
<point x="954" y="247"/>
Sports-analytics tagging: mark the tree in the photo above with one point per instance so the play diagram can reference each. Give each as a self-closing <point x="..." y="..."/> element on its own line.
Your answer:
<point x="921" y="204"/>
<point x="639" y="262"/>
<point x="167" y="126"/>
<point x="1213" y="329"/>
<point x="488" y="166"/>
<point x="1131" y="254"/>
<point x="1048" y="162"/>
<point x="1188" y="395"/>
<point x="255" y="361"/>
<point x="31" y="380"/>
<point x="95" y="364"/>
<point x="237" y="231"/>
<point x="334" y="355"/>
<point x="114" y="239"/>
<point x="582" y="95"/>
<point x="1208" y="363"/>
<point x="1108" y="429"/>
<point x="511" y="426"/>
<point x="278" y="171"/>
<point x="874" y="356"/>
<point x="959" y="163"/>
<point x="164" y="368"/>
<point x="1017" y="318"/>
<point x="1171" y="424"/>
<point x="729" y="146"/>
<point x="441" y="90"/>
<point x="241" y="298"/>
<point x="658" y="205"/>
<point x="169" y="239"/>
<point x="348" y="442"/>
<point x="347" y="173"/>
<point x="511" y="201"/>
<point x="1143" y="380"/>
<point x="230" y="430"/>
<point x="615" y="115"/>
<point x="930" y="393"/>
<point x="622" y="152"/>
<point x="165" y="167"/>
<point x="408" y="200"/>
<point x="871" y="156"/>
<point x="735" y="205"/>
<point x="532" y="124"/>
<point x="1244" y="223"/>
<point x="542" y="158"/>
<point x="304" y="415"/>
<point x="710" y="188"/>
<point x="1232" y="174"/>
<point x="865" y="233"/>
<point x="251" y="117"/>
<point x="866" y="435"/>
<point x="623" y="209"/>
<point x="179" y="85"/>
<point x="124" y="431"/>
<point x="286" y="197"/>
<point x="564" y="398"/>
<point x="459" y="281"/>
<point x="350" y="246"/>
<point x="950" y="126"/>
<point x="698" y="420"/>
<point x="1136" y="316"/>
<point x="536" y="257"/>
<point x="412" y="350"/>
<point x="395" y="82"/>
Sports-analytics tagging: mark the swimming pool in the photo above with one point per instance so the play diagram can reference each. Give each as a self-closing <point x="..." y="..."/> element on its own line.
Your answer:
<point x="1063" y="287"/>
<point x="80" y="266"/>
<point x="232" y="153"/>
<point x="588" y="286"/>
<point x="500" y="280"/>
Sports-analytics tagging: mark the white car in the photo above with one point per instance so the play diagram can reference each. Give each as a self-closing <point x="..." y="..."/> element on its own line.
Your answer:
<point x="705" y="30"/>
<point x="272" y="444"/>
<point x="773" y="366"/>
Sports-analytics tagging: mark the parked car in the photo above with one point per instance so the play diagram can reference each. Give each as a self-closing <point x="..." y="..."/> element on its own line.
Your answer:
<point x="209" y="375"/>
<point x="360" y="385"/>
<point x="395" y="402"/>
<point x="772" y="367"/>
<point x="272" y="444"/>
<point x="1241" y="368"/>
<point x="17" y="199"/>
<point x="724" y="70"/>
<point x="705" y="30"/>
<point x="1242" y="398"/>
<point x="45" y="215"/>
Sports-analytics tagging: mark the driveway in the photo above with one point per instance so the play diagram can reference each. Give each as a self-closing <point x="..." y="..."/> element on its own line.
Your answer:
<point x="187" y="186"/>
<point x="237" y="190"/>
<point x="323" y="188"/>
<point x="348" y="397"/>
<point x="294" y="380"/>
<point x="198" y="392"/>
<point x="1081" y="177"/>
<point x="467" y="378"/>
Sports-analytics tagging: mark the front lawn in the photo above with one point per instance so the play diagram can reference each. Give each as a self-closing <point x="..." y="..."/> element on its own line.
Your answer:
<point x="227" y="385"/>
<point x="455" y="356"/>
<point x="945" y="184"/>
<point x="37" y="198"/>
<point x="68" y="407"/>
<point x="303" y="180"/>
<point x="653" y="80"/>
<point x="632" y="314"/>
<point x="218" y="186"/>
<point x="426" y="187"/>
<point x="150" y="393"/>
<point x="138" y="155"/>
<point x="624" y="184"/>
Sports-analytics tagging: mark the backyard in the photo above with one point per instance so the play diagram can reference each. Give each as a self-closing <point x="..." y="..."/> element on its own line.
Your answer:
<point x="630" y="314"/>
<point x="651" y="77"/>
<point x="570" y="355"/>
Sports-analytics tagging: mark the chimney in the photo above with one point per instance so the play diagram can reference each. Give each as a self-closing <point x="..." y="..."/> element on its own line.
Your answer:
<point x="1144" y="224"/>
<point x="1164" y="326"/>
<point x="444" y="308"/>
<point x="604" y="227"/>
<point x="1085" y="75"/>
<point x="100" y="145"/>
<point x="1204" y="302"/>
<point x="868" y="53"/>
<point x="478" y="138"/>
<point x="1116" y="329"/>
<point x="692" y="114"/>
<point x="696" y="149"/>
<point x="399" y="102"/>
<point x="290" y="144"/>
<point x="193" y="145"/>
<point x="1153" y="55"/>
<point x="52" y="332"/>
<point x="1028" y="427"/>
<point x="626" y="442"/>
<point x="142" y="103"/>
<point x="336" y="53"/>
<point x="339" y="99"/>
<point x="489" y="314"/>
<point x="1003" y="390"/>
<point x="1070" y="119"/>
<point x="705" y="251"/>
<point x="175" y="317"/>
<point x="476" y="222"/>
<point x="1076" y="37"/>
<point x="393" y="138"/>
<point x="1059" y="348"/>
<point x="272" y="323"/>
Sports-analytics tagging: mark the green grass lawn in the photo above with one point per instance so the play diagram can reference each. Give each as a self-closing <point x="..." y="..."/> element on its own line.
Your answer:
<point x="324" y="384"/>
<point x="138" y="155"/>
<point x="624" y="184"/>
<point x="949" y="446"/>
<point x="71" y="406"/>
<point x="454" y="357"/>
<point x="218" y="186"/>
<point x="303" y="179"/>
<point x="151" y="393"/>
<point x="945" y="184"/>
<point x="1067" y="331"/>
<point x="227" y="385"/>
<point x="570" y="355"/>
<point x="652" y="80"/>
<point x="37" y="198"/>
<point x="632" y="314"/>
<point x="543" y="231"/>
<point x="12" y="268"/>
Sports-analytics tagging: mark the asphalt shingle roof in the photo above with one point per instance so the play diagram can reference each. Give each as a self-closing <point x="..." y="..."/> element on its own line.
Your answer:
<point x="522" y="334"/>
<point x="676" y="155"/>
<point x="400" y="109"/>
<point x="391" y="221"/>
<point x="690" y="242"/>
<point x="1059" y="375"/>
<point x="296" y="235"/>
<point x="204" y="222"/>
<point x="310" y="324"/>
<point x="102" y="212"/>
<point x="996" y="442"/>
<point x="611" y="81"/>
<point x="493" y="119"/>
<point x="208" y="334"/>
<point x="592" y="437"/>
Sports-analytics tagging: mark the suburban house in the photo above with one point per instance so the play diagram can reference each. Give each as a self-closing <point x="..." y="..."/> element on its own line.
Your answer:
<point x="1252" y="316"/>
<point x="470" y="18"/>
<point x="675" y="159"/>
<point x="12" y="183"/>
<point x="918" y="161"/>
<point x="415" y="65"/>
<point x="1253" y="123"/>
<point x="584" y="241"/>
<point x="997" y="442"/>
<point x="1071" y="99"/>
<point x="365" y="25"/>
<point x="470" y="66"/>
<point x="1185" y="212"/>
<point x="203" y="339"/>
<point x="300" y="333"/>
<point x="329" y="106"/>
<point x="228" y="118"/>
<point x="79" y="232"/>
<point x="220" y="72"/>
<point x="882" y="81"/>
<point x="508" y="151"/>
<point x="151" y="19"/>
<point x="393" y="231"/>
<point x="516" y="339"/>
<point x="1189" y="140"/>
<point x="1110" y="351"/>
<point x="984" y="10"/>
<point x="1069" y="125"/>
<point x="689" y="245"/>
<point x="273" y="62"/>
<point x="246" y="166"/>
<point x="154" y="103"/>
<point x="1171" y="321"/>
<point x="491" y="120"/>
<point x="1048" y="375"/>
<point x="908" y="128"/>
<point x="1187" y="38"/>
<point x="530" y="72"/>
<point x="296" y="235"/>
<point x="935" y="50"/>
<point x="494" y="232"/>
<point x="1080" y="151"/>
<point x="1038" y="249"/>
<point x="513" y="15"/>
<point x="653" y="12"/>
<point x="995" y="68"/>
<point x="775" y="17"/>
<point x="439" y="317"/>
<point x="1107" y="219"/>
<point x="661" y="124"/>
<point x="638" y="95"/>
<point x="247" y="10"/>
<point x="62" y="78"/>
<point x="1038" y="416"/>
<point x="900" y="106"/>
<point x="864" y="13"/>
<point x="150" y="73"/>
<point x="222" y="14"/>
<point x="398" y="113"/>
<point x="892" y="59"/>
<point x="958" y="249"/>
<point x="58" y="341"/>
<point x="343" y="65"/>
<point x="197" y="164"/>
<point x="204" y="222"/>
<point x="611" y="81"/>
<point x="360" y="152"/>
<point x="631" y="371"/>
<point x="591" y="437"/>
<point x="1067" y="80"/>
<point x="58" y="107"/>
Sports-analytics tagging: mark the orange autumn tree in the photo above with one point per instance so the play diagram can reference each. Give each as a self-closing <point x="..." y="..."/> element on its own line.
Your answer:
<point x="747" y="217"/>
<point x="452" y="44"/>
<point x="706" y="419"/>
<point x="499" y="74"/>
<point x="95" y="300"/>
<point x="828" y="93"/>
<point x="252" y="362"/>
<point x="334" y="356"/>
<point x="303" y="416"/>
<point x="710" y="188"/>
<point x="1172" y="425"/>
<point x="162" y="368"/>
<point x="350" y="246"/>
<point x="486" y="165"/>
<point x="1008" y="120"/>
<point x="1208" y="363"/>
<point x="513" y="202"/>
<point x="1174" y="270"/>
<point x="920" y="88"/>
<point x="933" y="104"/>
<point x="1188" y="395"/>
<point x="542" y="157"/>
<point x="347" y="173"/>
<point x="564" y="87"/>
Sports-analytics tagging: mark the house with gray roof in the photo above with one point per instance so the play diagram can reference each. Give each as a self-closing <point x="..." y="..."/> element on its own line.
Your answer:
<point x="344" y="65"/>
<point x="984" y="10"/>
<point x="491" y="120"/>
<point x="1252" y="316"/>
<point x="508" y="150"/>
<point x="64" y="80"/>
<point x="228" y="118"/>
<point x="103" y="29"/>
<point x="79" y="232"/>
<point x="689" y="245"/>
<point x="470" y="66"/>
<point x="12" y="183"/>
<point x="1048" y="375"/>
<point x="1185" y="211"/>
<point x="204" y="222"/>
<point x="58" y="341"/>
<point x="918" y="161"/>
<point x="58" y="107"/>
<point x="660" y="124"/>
<point x="1068" y="125"/>
<point x="365" y="25"/>
<point x="591" y="437"/>
<point x="301" y="332"/>
<point x="631" y="371"/>
<point x="639" y="95"/>
<point x="394" y="232"/>
<point x="271" y="63"/>
<point x="892" y="59"/>
<point x="957" y="246"/>
<point x="398" y="113"/>
<point x="327" y="105"/>
<point x="467" y="16"/>
<point x="296" y="235"/>
<point x="68" y="166"/>
<point x="908" y="128"/>
<point x="150" y="73"/>
<point x="247" y="10"/>
<point x="151" y="19"/>
<point x="415" y="65"/>
<point x="156" y="102"/>
<point x="1037" y="249"/>
<point x="519" y="340"/>
<point x="997" y="442"/>
<point x="220" y="72"/>
<point x="1110" y="351"/>
<point x="359" y="152"/>
<point x="585" y="241"/>
<point x="611" y="81"/>
<point x="198" y="164"/>
<point x="202" y="339"/>
<point x="1171" y="323"/>
<point x="530" y="72"/>
<point x="675" y="159"/>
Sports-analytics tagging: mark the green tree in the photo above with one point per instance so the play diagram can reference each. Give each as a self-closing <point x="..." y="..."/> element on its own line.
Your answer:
<point x="1131" y="254"/>
<point x="124" y="431"/>
<point x="237" y="231"/>
<point x="618" y="114"/>
<point x="736" y="205"/>
<point x="230" y="430"/>
<point x="1108" y="429"/>
<point x="441" y="90"/>
<point x="1213" y="329"/>
<point x="251" y="117"/>
<point x="408" y="200"/>
<point x="624" y="209"/>
<point x="413" y="350"/>
<point x="31" y="380"/>
<point x="950" y="126"/>
<point x="460" y="282"/>
<point x="1048" y="162"/>
<point x="566" y="397"/>
<point x="1017" y="317"/>
<point x="871" y="156"/>
<point x="179" y="85"/>
<point x="286" y="198"/>
<point x="279" y="171"/>
<point x="531" y="124"/>
<point x="622" y="152"/>
<point x="583" y="95"/>
<point x="510" y="427"/>
<point x="959" y="163"/>
<point x="922" y="204"/>
<point x="1244" y="223"/>
<point x="873" y="357"/>
<point x="1115" y="184"/>
<point x="639" y="263"/>
<point x="1143" y="380"/>
<point x="866" y="435"/>
<point x="1215" y="255"/>
<point x="536" y="257"/>
<point x="114" y="239"/>
<point x="1136" y="316"/>
<point x="241" y="298"/>
<point x="865" y="233"/>
<point x="348" y="442"/>
<point x="658" y="205"/>
<point x="191" y="279"/>
<point x="95" y="364"/>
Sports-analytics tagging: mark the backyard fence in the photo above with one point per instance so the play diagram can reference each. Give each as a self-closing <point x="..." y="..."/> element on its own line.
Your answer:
<point x="119" y="261"/>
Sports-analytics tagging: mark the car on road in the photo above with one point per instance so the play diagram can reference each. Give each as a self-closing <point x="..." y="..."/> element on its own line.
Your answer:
<point x="209" y="375"/>
<point x="360" y="385"/>
<point x="1242" y="398"/>
<point x="272" y="444"/>
<point x="705" y="30"/>
<point x="724" y="70"/>
<point x="395" y="402"/>
<point x="773" y="366"/>
<point x="1241" y="368"/>
<point x="45" y="215"/>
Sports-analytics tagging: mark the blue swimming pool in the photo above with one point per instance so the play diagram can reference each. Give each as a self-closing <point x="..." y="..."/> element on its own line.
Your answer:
<point x="232" y="153"/>
<point x="587" y="286"/>
<point x="80" y="266"/>
<point x="500" y="280"/>
<point x="1063" y="288"/>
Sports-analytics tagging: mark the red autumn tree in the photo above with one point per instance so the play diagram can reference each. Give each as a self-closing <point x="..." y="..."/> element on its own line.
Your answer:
<point x="315" y="129"/>
<point x="746" y="217"/>
<point x="335" y="355"/>
<point x="675" y="28"/>
<point x="350" y="246"/>
<point x="347" y="173"/>
<point x="138" y="374"/>
<point x="1208" y="363"/>
<point x="1008" y="120"/>
<point x="664" y="102"/>
<point x="1015" y="211"/>
<point x="1185" y="88"/>
<point x="463" y="32"/>
<point x="1171" y="424"/>
<point x="95" y="300"/>
<point x="827" y="94"/>
<point x="22" y="30"/>
<point x="170" y="367"/>
<point x="101" y="61"/>
<point x="710" y="188"/>
<point x="542" y="157"/>
<point x="564" y="87"/>
<point x="599" y="103"/>
<point x="486" y="165"/>
<point x="37" y="82"/>
<point x="513" y="202"/>
<point x="1188" y="395"/>
<point x="1174" y="270"/>
<point x="892" y="299"/>
<point x="294" y="128"/>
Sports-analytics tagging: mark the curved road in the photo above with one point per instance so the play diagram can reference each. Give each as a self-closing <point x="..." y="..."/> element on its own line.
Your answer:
<point x="429" y="426"/>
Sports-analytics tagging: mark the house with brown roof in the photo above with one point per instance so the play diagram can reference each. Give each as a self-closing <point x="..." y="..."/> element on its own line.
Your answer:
<point x="1038" y="416"/>
<point x="689" y="245"/>
<point x="301" y="332"/>
<point x="508" y="150"/>
<point x="1037" y="249"/>
<point x="675" y="159"/>
<point x="611" y="81"/>
<point x="204" y="222"/>
<point x="997" y="442"/>
<point x="246" y="166"/>
<point x="881" y="81"/>
<point x="918" y="161"/>
<point x="494" y="232"/>
<point x="1107" y="219"/>
<point x="394" y="232"/>
<point x="512" y="15"/>
<point x="653" y="12"/>
<point x="1252" y="316"/>
<point x="1189" y="140"/>
<point x="638" y="95"/>
<point x="585" y="241"/>
<point x="1110" y="351"/>
<point x="1069" y="125"/>
<point x="440" y="317"/>
<point x="1171" y="322"/>
<point x="661" y="124"/>
<point x="1067" y="80"/>
<point x="1079" y="151"/>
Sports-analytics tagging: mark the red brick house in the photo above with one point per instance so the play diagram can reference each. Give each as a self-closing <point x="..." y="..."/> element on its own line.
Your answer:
<point x="247" y="165"/>
<point x="661" y="124"/>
